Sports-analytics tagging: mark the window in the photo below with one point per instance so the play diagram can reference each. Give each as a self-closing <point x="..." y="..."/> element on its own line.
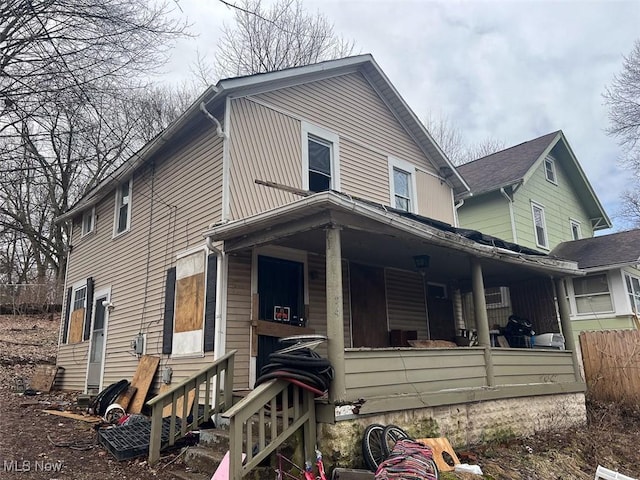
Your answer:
<point x="633" y="290"/>
<point x="436" y="290"/>
<point x="497" y="297"/>
<point x="88" y="221"/>
<point x="77" y="314"/>
<point x="402" y="185"/>
<point x="123" y="208"/>
<point x="320" y="157"/>
<point x="576" y="232"/>
<point x="550" y="170"/>
<point x="540" y="226"/>
<point x="592" y="294"/>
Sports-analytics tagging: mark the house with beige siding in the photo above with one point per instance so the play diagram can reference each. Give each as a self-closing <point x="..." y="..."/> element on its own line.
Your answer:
<point x="310" y="201"/>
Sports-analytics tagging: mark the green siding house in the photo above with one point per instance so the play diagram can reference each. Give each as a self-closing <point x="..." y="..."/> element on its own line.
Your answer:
<point x="536" y="194"/>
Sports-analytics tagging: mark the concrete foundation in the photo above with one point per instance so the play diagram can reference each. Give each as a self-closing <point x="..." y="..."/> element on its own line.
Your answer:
<point x="463" y="424"/>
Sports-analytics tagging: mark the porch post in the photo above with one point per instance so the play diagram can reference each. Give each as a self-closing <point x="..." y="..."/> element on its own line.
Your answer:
<point x="482" y="320"/>
<point x="335" y="316"/>
<point x="565" y="323"/>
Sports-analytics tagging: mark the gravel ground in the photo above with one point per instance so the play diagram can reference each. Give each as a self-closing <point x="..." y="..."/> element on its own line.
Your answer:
<point x="35" y="445"/>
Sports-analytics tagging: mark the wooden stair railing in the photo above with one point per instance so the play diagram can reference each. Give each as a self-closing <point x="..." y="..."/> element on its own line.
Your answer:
<point x="222" y="399"/>
<point x="279" y="409"/>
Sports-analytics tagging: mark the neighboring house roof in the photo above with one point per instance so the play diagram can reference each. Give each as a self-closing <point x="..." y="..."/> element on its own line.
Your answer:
<point x="615" y="250"/>
<point x="427" y="230"/>
<point x="513" y="166"/>
<point x="214" y="97"/>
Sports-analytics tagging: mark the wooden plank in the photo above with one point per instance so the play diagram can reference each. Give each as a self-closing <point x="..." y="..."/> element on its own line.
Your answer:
<point x="368" y="306"/>
<point x="43" y="378"/>
<point x="166" y="411"/>
<point x="274" y="329"/>
<point x="142" y="380"/>
<point x="189" y="313"/>
<point x="76" y="326"/>
<point x="439" y="446"/>
<point x="125" y="397"/>
<point x="74" y="416"/>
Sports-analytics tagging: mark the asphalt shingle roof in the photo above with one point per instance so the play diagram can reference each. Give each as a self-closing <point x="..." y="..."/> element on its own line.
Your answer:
<point x="504" y="167"/>
<point x="614" y="249"/>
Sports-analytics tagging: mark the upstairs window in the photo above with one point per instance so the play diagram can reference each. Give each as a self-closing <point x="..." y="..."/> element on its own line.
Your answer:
<point x="88" y="221"/>
<point x="320" y="157"/>
<point x="123" y="208"/>
<point x="540" y="226"/>
<point x="576" y="231"/>
<point x="402" y="185"/>
<point x="550" y="170"/>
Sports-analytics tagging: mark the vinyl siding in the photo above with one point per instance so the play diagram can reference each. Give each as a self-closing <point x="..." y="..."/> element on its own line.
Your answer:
<point x="405" y="302"/>
<point x="434" y="198"/>
<point x="346" y="106"/>
<point x="264" y="145"/>
<point x="489" y="214"/>
<point x="186" y="199"/>
<point x="560" y="203"/>
<point x="239" y="316"/>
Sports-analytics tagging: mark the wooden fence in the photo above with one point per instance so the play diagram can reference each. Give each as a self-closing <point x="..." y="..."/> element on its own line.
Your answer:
<point x="612" y="365"/>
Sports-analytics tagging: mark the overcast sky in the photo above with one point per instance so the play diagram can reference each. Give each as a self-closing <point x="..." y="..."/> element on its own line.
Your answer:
<point x="508" y="70"/>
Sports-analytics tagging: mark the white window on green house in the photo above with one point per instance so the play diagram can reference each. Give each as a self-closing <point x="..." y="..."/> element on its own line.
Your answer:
<point x="123" y="208"/>
<point x="633" y="290"/>
<point x="402" y="185"/>
<point x="550" y="170"/>
<point x="88" y="221"/>
<point x="576" y="231"/>
<point x="540" y="225"/>
<point x="592" y="294"/>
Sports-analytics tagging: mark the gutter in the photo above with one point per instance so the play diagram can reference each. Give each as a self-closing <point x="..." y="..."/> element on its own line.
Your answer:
<point x="325" y="200"/>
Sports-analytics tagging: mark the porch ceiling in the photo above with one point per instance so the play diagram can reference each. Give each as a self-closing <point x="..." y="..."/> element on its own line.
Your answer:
<point x="378" y="237"/>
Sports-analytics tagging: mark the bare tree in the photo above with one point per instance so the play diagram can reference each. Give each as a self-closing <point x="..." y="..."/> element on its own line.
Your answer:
<point x="448" y="136"/>
<point x="264" y="39"/>
<point x="623" y="99"/>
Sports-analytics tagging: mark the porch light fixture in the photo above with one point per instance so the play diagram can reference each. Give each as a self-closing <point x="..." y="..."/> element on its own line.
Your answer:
<point x="421" y="262"/>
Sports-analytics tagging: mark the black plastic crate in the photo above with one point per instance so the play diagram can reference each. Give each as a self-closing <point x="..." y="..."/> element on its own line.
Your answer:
<point x="129" y="441"/>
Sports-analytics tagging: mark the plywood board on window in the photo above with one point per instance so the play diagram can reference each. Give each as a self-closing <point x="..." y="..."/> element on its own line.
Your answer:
<point x="142" y="380"/>
<point x="189" y="303"/>
<point x="76" y="326"/>
<point x="43" y="378"/>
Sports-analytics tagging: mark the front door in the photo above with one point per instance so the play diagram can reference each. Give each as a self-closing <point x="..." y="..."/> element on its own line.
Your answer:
<point x="281" y="299"/>
<point x="96" y="349"/>
<point x="368" y="306"/>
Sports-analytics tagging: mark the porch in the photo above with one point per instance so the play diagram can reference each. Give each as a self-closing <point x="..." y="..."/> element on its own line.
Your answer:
<point x="441" y="275"/>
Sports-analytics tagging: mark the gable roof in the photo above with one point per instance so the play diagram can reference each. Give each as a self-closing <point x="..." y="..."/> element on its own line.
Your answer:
<point x="215" y="97"/>
<point x="513" y="166"/>
<point x="614" y="250"/>
<point x="506" y="167"/>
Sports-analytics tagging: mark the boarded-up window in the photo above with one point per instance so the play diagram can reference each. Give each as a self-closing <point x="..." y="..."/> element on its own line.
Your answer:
<point x="189" y="304"/>
<point x="76" y="321"/>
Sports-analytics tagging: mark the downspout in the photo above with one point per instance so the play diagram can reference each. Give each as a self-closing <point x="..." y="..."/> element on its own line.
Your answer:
<point x="219" y="132"/>
<point x="514" y="233"/>
<point x="456" y="207"/>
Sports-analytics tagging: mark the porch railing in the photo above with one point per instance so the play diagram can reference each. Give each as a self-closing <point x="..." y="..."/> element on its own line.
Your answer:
<point x="222" y="399"/>
<point x="266" y="418"/>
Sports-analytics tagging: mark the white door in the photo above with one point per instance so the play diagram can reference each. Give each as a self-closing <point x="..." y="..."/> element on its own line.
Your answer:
<point x="96" y="349"/>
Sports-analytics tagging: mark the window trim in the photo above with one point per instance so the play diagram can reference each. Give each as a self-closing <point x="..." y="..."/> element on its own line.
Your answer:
<point x="308" y="130"/>
<point x="91" y="212"/>
<point x="574" y="296"/>
<point x="632" y="305"/>
<point x="551" y="161"/>
<point x="75" y="288"/>
<point x="535" y="205"/>
<point x="397" y="163"/>
<point x="116" y="213"/>
<point x="575" y="223"/>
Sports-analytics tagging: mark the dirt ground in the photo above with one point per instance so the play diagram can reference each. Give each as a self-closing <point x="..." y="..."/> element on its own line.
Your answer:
<point x="35" y="445"/>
